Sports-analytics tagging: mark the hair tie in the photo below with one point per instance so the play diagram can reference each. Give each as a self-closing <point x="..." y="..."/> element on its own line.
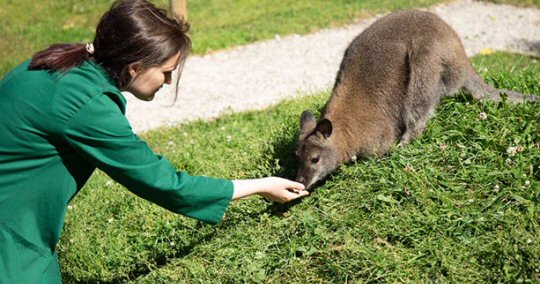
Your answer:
<point x="90" y="48"/>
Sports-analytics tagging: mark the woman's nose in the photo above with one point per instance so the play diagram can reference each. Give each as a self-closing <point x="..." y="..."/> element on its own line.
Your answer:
<point x="168" y="78"/>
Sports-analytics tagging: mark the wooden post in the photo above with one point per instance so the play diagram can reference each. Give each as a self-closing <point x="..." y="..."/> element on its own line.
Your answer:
<point x="179" y="9"/>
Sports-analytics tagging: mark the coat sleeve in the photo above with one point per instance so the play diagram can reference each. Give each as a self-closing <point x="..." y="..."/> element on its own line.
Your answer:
<point x="100" y="132"/>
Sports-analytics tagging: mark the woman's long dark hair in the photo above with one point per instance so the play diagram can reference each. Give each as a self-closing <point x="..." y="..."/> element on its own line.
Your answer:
<point x="131" y="31"/>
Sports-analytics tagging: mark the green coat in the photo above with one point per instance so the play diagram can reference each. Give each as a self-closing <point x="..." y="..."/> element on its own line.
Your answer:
<point x="55" y="129"/>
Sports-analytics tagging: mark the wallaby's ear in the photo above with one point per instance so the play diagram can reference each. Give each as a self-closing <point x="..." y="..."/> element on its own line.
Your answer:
<point x="324" y="127"/>
<point x="307" y="124"/>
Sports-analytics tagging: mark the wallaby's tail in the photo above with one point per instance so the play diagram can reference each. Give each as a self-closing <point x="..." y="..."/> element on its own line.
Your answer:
<point x="481" y="91"/>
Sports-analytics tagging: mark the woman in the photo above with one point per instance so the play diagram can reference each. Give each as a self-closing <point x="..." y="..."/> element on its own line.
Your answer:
<point x="62" y="115"/>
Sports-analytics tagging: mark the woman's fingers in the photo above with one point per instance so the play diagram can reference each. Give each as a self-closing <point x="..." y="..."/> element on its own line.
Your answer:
<point x="293" y="194"/>
<point x="295" y="186"/>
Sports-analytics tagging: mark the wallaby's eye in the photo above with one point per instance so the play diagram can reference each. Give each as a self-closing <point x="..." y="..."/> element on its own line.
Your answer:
<point x="315" y="160"/>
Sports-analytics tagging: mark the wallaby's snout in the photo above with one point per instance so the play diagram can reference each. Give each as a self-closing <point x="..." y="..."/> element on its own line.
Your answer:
<point x="301" y="179"/>
<point x="316" y="154"/>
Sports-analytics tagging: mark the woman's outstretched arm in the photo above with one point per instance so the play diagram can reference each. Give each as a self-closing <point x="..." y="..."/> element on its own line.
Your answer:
<point x="274" y="188"/>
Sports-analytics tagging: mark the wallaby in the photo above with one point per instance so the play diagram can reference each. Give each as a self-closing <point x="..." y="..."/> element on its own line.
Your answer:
<point x="391" y="80"/>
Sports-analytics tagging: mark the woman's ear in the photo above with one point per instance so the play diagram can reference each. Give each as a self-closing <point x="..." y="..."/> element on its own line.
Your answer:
<point x="135" y="68"/>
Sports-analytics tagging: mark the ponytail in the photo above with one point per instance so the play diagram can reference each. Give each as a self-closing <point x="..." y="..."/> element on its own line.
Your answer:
<point x="60" y="57"/>
<point x="131" y="31"/>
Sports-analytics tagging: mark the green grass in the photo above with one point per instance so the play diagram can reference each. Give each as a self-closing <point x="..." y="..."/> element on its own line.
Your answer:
<point x="453" y="206"/>
<point x="468" y="213"/>
<point x="241" y="22"/>
<point x="29" y="26"/>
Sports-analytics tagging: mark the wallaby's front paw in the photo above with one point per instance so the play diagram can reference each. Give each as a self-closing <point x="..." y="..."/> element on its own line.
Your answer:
<point x="405" y="139"/>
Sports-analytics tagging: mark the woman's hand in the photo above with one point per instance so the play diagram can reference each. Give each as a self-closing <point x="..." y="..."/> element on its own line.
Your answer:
<point x="274" y="188"/>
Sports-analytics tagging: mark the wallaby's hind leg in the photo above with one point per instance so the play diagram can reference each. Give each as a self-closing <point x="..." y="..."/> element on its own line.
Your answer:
<point x="424" y="92"/>
<point x="481" y="91"/>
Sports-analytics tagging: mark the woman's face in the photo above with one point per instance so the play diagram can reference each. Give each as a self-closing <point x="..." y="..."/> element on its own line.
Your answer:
<point x="145" y="82"/>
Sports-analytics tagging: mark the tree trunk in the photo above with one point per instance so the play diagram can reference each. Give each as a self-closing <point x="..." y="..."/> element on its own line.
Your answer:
<point x="179" y="9"/>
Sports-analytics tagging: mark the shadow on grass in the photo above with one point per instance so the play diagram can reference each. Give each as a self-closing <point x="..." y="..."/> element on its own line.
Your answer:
<point x="143" y="268"/>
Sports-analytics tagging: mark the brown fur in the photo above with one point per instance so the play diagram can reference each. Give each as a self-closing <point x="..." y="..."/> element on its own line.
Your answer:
<point x="391" y="79"/>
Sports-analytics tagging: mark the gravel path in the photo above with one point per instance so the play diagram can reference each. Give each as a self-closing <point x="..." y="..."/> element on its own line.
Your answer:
<point x="262" y="74"/>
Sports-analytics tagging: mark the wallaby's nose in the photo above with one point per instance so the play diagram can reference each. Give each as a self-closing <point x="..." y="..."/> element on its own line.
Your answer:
<point x="300" y="179"/>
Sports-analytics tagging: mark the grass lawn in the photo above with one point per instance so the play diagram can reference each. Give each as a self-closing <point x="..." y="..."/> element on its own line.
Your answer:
<point x="455" y="205"/>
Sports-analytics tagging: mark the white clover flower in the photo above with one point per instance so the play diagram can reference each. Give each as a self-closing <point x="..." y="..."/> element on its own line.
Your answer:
<point x="511" y="151"/>
<point x="483" y="116"/>
<point x="409" y="168"/>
